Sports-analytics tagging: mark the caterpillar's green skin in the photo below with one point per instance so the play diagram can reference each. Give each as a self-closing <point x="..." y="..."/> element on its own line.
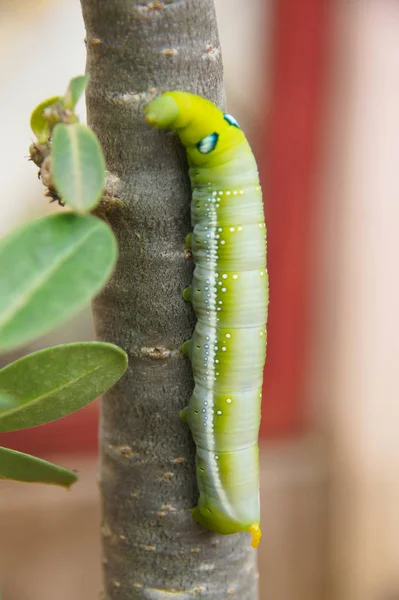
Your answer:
<point x="229" y="293"/>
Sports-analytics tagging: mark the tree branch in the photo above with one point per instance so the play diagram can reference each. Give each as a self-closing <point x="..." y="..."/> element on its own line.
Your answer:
<point x="152" y="547"/>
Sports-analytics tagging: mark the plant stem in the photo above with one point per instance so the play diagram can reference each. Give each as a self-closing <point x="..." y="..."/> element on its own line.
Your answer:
<point x="153" y="549"/>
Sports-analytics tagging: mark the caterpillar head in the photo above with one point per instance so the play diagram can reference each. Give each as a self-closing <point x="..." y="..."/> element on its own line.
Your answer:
<point x="209" y="135"/>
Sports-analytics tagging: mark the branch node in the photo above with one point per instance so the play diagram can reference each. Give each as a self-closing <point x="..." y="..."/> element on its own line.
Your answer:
<point x="169" y="51"/>
<point x="211" y="53"/>
<point x="125" y="451"/>
<point x="206" y="567"/>
<point x="156" y="5"/>
<point x="188" y="255"/>
<point x="134" y="96"/>
<point x="168" y="508"/>
<point x="156" y="352"/>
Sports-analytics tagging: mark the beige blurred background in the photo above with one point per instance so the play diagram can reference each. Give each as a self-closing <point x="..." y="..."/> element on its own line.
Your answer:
<point x="330" y="496"/>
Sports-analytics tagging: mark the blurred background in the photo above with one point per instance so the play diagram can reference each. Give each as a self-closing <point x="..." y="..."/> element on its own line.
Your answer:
<point x="316" y="86"/>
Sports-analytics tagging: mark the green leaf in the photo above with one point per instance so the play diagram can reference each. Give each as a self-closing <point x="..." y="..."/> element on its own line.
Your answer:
<point x="54" y="382"/>
<point x="78" y="166"/>
<point x="38" y="122"/>
<point x="74" y="91"/>
<point x="49" y="269"/>
<point x="6" y="402"/>
<point x="24" y="467"/>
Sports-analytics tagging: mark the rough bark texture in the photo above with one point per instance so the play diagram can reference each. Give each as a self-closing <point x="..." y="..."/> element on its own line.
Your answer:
<point x="153" y="550"/>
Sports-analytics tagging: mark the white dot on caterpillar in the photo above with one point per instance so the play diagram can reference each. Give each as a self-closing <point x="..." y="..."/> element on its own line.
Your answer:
<point x="220" y="283"/>
<point x="216" y="360"/>
<point x="220" y="193"/>
<point x="224" y="289"/>
<point x="235" y="192"/>
<point x="241" y="192"/>
<point x="262" y="273"/>
<point x="222" y="242"/>
<point x="220" y="228"/>
<point x="216" y="458"/>
<point x="220" y="301"/>
<point x="232" y="229"/>
<point x="261" y="333"/>
<point x="228" y="193"/>
<point x="239" y="228"/>
<point x="224" y="348"/>
<point x="214" y="193"/>
<point x="235" y="276"/>
<point x="224" y="276"/>
<point x="228" y="335"/>
<point x="219" y="412"/>
<point x="218" y="308"/>
<point x="228" y="400"/>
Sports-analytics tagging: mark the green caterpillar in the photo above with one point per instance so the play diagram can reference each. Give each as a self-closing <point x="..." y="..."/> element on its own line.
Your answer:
<point x="229" y="293"/>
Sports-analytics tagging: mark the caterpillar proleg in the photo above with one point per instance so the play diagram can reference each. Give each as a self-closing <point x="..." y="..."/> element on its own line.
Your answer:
<point x="229" y="293"/>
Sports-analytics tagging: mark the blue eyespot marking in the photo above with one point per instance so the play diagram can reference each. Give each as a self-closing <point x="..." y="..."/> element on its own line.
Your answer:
<point x="208" y="143"/>
<point x="231" y="120"/>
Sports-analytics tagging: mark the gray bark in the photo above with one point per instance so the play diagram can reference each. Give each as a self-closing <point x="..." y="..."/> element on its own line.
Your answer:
<point x="153" y="549"/>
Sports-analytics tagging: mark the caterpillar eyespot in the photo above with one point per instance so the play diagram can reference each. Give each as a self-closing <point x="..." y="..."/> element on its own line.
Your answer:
<point x="231" y="120"/>
<point x="207" y="144"/>
<point x="230" y="298"/>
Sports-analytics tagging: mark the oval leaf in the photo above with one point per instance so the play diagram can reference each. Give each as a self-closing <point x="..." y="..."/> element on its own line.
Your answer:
<point x="75" y="90"/>
<point x="49" y="269"/>
<point x="54" y="382"/>
<point x="39" y="124"/>
<point x="6" y="402"/>
<point x="24" y="467"/>
<point x="78" y="166"/>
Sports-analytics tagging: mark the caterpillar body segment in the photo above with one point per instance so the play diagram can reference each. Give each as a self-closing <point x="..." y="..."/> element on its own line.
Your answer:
<point x="229" y="293"/>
